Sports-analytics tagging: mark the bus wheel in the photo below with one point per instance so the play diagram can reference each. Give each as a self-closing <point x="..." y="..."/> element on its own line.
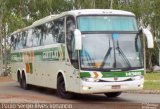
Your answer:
<point x="112" y="94"/>
<point x="19" y="79"/>
<point x="61" y="89"/>
<point x="20" y="83"/>
<point x="24" y="84"/>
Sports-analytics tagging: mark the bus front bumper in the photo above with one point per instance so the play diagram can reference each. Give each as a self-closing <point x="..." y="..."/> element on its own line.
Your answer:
<point x="104" y="87"/>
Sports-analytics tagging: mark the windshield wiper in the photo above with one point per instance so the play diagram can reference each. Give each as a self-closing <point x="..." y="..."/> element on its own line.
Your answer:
<point x="89" y="59"/>
<point x="120" y="52"/>
<point x="106" y="56"/>
<point x="123" y="55"/>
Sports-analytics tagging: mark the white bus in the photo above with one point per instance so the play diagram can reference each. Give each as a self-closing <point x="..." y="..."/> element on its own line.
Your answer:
<point x="81" y="51"/>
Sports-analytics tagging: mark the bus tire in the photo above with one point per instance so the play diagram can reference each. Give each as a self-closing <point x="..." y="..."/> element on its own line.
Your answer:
<point x="24" y="83"/>
<point x="112" y="94"/>
<point x="61" y="89"/>
<point x="20" y="83"/>
<point x="19" y="79"/>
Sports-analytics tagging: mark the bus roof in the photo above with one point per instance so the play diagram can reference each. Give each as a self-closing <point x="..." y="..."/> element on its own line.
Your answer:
<point x="77" y="13"/>
<point x="99" y="12"/>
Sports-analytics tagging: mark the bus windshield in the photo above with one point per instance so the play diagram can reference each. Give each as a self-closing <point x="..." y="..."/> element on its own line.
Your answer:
<point x="107" y="23"/>
<point x="111" y="51"/>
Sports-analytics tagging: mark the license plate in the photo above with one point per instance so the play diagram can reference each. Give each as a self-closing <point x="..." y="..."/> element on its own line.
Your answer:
<point x="116" y="87"/>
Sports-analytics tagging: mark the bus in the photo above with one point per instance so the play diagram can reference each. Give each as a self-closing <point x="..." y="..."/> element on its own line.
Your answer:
<point x="87" y="51"/>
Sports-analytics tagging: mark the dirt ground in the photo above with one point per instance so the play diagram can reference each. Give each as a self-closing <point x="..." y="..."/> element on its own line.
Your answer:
<point x="11" y="92"/>
<point x="16" y="98"/>
<point x="5" y="79"/>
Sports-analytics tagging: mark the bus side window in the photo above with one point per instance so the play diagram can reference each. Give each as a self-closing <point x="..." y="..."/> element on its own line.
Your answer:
<point x="70" y="27"/>
<point x="57" y="29"/>
<point x="50" y="33"/>
<point x="61" y="35"/>
<point x="24" y="38"/>
<point x="13" y="42"/>
<point x="20" y="40"/>
<point x="36" y="36"/>
<point x="48" y="38"/>
<point x="29" y="39"/>
<point x="41" y="32"/>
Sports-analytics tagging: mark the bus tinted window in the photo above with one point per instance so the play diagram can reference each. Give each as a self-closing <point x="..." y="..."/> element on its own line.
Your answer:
<point x="49" y="37"/>
<point x="29" y="39"/>
<point x="61" y="34"/>
<point x="73" y="54"/>
<point x="24" y="38"/>
<point x="19" y="40"/>
<point x="107" y="23"/>
<point x="55" y="32"/>
<point x="37" y="36"/>
<point x="48" y="33"/>
<point x="18" y="44"/>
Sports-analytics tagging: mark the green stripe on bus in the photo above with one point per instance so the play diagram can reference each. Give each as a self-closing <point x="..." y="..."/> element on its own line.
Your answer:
<point x="50" y="54"/>
<point x="114" y="74"/>
<point x="85" y="74"/>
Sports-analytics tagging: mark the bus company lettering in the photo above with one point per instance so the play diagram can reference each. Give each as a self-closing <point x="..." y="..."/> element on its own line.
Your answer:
<point x="133" y="73"/>
<point x="51" y="54"/>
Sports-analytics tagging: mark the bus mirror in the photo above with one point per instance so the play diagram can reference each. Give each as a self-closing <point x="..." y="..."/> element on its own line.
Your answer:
<point x="78" y="39"/>
<point x="148" y="34"/>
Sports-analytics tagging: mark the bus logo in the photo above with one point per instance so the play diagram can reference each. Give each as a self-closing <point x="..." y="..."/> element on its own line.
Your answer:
<point x="115" y="78"/>
<point x="51" y="54"/>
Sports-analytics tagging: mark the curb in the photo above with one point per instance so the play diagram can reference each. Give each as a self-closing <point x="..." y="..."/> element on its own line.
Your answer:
<point x="145" y="92"/>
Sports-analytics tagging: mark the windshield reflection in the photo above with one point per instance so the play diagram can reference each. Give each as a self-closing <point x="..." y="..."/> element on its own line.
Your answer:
<point x="109" y="51"/>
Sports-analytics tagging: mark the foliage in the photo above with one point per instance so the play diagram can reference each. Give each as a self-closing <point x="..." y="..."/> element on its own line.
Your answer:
<point x="20" y="13"/>
<point x="152" y="85"/>
<point x="152" y="76"/>
<point x="152" y="81"/>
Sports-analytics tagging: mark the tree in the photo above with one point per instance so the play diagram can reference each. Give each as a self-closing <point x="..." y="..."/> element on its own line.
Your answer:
<point x="20" y="13"/>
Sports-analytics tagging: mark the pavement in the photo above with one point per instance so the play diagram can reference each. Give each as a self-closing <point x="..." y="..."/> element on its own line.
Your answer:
<point x="9" y="79"/>
<point x="145" y="91"/>
<point x="11" y="92"/>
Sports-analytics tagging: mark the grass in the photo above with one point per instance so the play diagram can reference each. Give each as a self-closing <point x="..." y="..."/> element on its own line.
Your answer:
<point x="152" y="76"/>
<point x="152" y="85"/>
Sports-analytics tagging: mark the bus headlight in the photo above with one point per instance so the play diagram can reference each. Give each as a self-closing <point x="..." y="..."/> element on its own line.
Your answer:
<point x="90" y="79"/>
<point x="86" y="87"/>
